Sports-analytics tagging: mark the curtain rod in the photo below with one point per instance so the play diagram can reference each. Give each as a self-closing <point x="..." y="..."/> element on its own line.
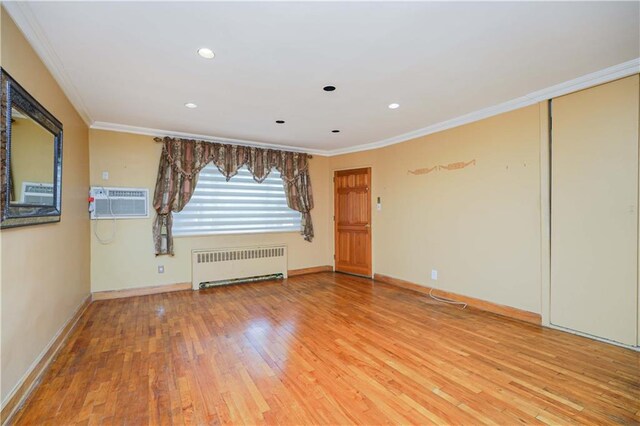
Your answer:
<point x="159" y="139"/>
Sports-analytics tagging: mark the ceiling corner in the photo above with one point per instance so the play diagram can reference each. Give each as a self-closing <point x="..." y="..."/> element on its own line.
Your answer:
<point x="24" y="18"/>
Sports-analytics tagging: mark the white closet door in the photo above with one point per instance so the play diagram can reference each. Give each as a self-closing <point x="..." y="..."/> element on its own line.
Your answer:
<point x="594" y="211"/>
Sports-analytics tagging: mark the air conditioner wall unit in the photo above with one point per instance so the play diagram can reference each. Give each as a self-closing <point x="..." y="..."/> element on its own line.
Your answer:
<point x="118" y="203"/>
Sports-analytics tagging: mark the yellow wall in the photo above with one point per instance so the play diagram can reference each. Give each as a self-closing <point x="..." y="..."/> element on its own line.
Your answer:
<point x="45" y="268"/>
<point x="129" y="262"/>
<point x="478" y="226"/>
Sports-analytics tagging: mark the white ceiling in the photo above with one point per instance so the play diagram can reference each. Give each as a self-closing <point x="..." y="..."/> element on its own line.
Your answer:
<point x="135" y="63"/>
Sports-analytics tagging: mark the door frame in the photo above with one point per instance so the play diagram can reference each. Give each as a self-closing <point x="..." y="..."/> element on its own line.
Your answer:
<point x="545" y="210"/>
<point x="371" y="216"/>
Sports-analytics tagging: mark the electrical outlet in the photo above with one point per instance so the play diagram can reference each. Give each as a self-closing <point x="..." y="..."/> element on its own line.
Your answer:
<point x="161" y="269"/>
<point x="434" y="274"/>
<point x="105" y="175"/>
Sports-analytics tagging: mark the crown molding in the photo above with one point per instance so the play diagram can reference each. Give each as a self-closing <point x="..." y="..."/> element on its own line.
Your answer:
<point x="24" y="18"/>
<point x="124" y="128"/>
<point x="589" y="80"/>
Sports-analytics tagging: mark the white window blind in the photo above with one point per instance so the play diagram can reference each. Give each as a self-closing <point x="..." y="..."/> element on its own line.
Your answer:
<point x="241" y="205"/>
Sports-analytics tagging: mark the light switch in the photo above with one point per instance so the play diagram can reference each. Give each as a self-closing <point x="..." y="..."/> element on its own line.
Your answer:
<point x="105" y="175"/>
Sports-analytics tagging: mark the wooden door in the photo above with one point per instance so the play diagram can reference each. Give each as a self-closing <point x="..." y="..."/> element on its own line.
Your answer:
<point x="352" y="189"/>
<point x="594" y="211"/>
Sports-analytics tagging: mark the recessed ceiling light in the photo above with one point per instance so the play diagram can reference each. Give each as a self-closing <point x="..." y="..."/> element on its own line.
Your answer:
<point x="394" y="106"/>
<point x="329" y="88"/>
<point x="280" y="121"/>
<point x="191" y="105"/>
<point x="335" y="131"/>
<point x="206" y="53"/>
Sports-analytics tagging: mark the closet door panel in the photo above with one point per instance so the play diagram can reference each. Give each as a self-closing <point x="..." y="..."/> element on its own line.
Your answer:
<point x="594" y="211"/>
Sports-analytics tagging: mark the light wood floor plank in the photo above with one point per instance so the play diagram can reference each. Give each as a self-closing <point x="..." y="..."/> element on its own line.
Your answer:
<point x="326" y="349"/>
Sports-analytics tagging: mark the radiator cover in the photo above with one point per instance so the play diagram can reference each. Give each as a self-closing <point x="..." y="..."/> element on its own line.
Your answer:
<point x="237" y="263"/>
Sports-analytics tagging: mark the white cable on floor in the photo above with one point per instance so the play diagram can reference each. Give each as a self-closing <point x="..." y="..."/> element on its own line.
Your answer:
<point x="115" y="224"/>
<point x="443" y="300"/>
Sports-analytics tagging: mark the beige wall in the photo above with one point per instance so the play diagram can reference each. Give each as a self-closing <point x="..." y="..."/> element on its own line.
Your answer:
<point x="478" y="226"/>
<point x="45" y="268"/>
<point x="129" y="262"/>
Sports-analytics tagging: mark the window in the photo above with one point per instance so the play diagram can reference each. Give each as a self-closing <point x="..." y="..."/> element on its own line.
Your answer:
<point x="241" y="205"/>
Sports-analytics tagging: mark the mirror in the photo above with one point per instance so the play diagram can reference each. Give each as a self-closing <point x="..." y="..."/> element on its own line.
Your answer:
<point x="31" y="155"/>
<point x="31" y="173"/>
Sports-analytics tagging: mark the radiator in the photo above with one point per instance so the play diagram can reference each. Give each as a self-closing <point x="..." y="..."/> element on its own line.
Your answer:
<point x="230" y="265"/>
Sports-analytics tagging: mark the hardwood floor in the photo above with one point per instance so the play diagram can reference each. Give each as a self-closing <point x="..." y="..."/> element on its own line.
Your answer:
<point x="326" y="349"/>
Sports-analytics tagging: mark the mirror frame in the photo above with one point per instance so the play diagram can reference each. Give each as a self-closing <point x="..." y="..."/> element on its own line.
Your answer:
<point x="13" y="215"/>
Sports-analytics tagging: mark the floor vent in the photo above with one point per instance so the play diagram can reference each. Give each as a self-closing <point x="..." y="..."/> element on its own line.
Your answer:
<point x="214" y="267"/>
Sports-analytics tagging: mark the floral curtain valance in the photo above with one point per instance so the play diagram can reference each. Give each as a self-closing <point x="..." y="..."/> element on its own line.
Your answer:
<point x="182" y="160"/>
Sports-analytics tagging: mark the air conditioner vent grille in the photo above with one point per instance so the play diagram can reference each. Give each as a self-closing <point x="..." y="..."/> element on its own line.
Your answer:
<point x="121" y="207"/>
<point x="126" y="193"/>
<point x="45" y="200"/>
<point x="39" y="188"/>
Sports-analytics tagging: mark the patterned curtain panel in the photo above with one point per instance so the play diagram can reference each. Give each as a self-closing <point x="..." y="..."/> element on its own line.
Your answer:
<point x="183" y="159"/>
